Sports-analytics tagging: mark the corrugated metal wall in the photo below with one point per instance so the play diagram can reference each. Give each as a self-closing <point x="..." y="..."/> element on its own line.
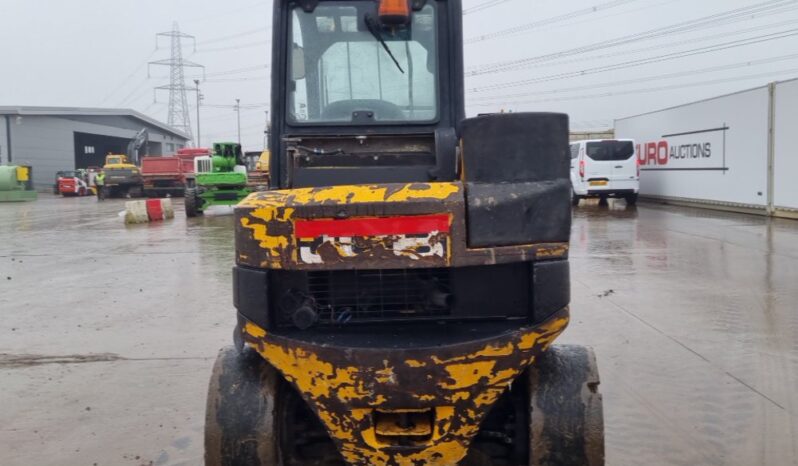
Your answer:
<point x="48" y="142"/>
<point x="3" y="140"/>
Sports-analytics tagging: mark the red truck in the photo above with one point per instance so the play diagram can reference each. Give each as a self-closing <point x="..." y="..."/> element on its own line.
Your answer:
<point x="167" y="175"/>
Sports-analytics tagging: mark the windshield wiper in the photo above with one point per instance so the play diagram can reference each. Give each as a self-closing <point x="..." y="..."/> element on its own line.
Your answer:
<point x="374" y="29"/>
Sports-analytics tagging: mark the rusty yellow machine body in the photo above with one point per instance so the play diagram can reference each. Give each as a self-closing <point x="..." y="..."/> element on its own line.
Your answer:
<point x="361" y="394"/>
<point x="399" y="287"/>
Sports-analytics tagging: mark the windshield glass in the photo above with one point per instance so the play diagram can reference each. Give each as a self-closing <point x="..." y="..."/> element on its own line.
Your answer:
<point x="339" y="71"/>
<point x="610" y="150"/>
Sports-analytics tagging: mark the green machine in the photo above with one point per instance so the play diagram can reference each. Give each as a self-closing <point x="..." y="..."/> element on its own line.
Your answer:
<point x="16" y="183"/>
<point x="219" y="179"/>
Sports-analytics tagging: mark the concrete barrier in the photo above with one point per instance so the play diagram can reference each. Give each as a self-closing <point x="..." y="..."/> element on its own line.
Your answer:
<point x="149" y="210"/>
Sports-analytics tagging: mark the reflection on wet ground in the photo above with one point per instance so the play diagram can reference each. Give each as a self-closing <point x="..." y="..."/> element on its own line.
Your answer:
<point x="108" y="332"/>
<point x="698" y="339"/>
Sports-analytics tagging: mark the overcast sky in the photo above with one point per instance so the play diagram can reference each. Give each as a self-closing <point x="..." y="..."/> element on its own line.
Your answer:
<point x="547" y="55"/>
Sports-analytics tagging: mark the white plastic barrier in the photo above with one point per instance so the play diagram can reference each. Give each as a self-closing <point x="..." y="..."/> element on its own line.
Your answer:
<point x="148" y="210"/>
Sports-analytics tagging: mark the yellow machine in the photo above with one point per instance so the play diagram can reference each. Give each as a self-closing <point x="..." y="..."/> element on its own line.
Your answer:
<point x="263" y="162"/>
<point x="122" y="178"/>
<point x="258" y="173"/>
<point x="400" y="285"/>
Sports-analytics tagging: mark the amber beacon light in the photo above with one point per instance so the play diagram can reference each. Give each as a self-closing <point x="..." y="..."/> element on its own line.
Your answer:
<point x="394" y="12"/>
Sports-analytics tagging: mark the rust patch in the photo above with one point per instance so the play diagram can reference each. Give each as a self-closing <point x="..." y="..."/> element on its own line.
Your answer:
<point x="459" y="382"/>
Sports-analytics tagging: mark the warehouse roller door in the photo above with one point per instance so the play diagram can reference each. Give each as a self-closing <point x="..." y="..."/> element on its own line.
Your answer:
<point x="91" y="149"/>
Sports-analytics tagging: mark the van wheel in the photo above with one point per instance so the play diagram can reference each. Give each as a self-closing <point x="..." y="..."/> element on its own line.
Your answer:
<point x="631" y="199"/>
<point x="603" y="200"/>
<point x="575" y="199"/>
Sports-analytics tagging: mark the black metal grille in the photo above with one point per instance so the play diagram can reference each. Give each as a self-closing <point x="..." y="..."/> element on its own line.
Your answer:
<point x="373" y="295"/>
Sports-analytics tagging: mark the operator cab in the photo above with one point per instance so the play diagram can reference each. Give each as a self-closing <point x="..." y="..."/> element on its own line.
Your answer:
<point x="365" y="92"/>
<point x="114" y="160"/>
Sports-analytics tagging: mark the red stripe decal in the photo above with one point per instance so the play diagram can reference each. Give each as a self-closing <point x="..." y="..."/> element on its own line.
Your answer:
<point x="379" y="226"/>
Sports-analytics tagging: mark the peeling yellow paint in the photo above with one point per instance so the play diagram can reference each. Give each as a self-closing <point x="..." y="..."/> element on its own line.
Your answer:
<point x="550" y="252"/>
<point x="466" y="375"/>
<point x="473" y="382"/>
<point x="350" y="194"/>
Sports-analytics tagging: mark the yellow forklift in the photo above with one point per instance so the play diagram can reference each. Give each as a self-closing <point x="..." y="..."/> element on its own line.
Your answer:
<point x="400" y="285"/>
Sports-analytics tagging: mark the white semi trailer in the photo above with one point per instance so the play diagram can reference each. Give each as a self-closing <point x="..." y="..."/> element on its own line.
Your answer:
<point x="734" y="151"/>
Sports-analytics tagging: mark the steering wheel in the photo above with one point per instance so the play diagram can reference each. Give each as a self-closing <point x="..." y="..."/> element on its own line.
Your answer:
<point x="344" y="109"/>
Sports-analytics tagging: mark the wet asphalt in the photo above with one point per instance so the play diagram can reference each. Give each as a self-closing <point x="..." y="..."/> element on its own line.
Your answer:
<point x="108" y="332"/>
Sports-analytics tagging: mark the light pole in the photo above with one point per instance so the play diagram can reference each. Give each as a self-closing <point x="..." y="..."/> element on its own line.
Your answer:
<point x="238" y="111"/>
<point x="199" y="99"/>
<point x="266" y="131"/>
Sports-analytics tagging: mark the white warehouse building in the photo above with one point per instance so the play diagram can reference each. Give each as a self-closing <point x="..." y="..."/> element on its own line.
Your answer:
<point x="50" y="139"/>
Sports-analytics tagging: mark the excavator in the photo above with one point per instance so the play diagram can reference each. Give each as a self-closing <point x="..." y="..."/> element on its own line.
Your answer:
<point x="122" y="173"/>
<point x="400" y="285"/>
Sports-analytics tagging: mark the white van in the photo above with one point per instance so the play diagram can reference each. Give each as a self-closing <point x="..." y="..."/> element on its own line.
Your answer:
<point x="605" y="168"/>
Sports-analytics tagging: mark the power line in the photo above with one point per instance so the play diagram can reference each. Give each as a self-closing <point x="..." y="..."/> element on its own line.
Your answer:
<point x="547" y="21"/>
<point x="659" y="77"/>
<point x="130" y="76"/>
<point x="233" y="71"/>
<point x="128" y="97"/>
<point x="234" y="80"/>
<point x="236" y="47"/>
<point x="644" y="90"/>
<point x="233" y="36"/>
<point x="663" y="45"/>
<point x="483" y="6"/>
<point x="254" y="105"/>
<point x="644" y="61"/>
<point x="715" y="20"/>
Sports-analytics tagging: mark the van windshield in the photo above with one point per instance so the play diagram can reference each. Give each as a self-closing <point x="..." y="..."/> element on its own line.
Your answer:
<point x="610" y="150"/>
<point x="343" y="66"/>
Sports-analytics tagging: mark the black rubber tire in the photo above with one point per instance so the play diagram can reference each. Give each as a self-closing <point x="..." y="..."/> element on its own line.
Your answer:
<point x="575" y="200"/>
<point x="603" y="201"/>
<point x="241" y="412"/>
<point x="135" y="192"/>
<point x="631" y="199"/>
<point x="476" y="458"/>
<point x="566" y="422"/>
<point x="190" y="202"/>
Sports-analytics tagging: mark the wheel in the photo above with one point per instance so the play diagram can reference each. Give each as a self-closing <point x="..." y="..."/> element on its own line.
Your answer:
<point x="575" y="199"/>
<point x="603" y="200"/>
<point x="550" y="416"/>
<point x="631" y="199"/>
<point x="240" y="415"/>
<point x="135" y="192"/>
<point x="190" y="202"/>
<point x="253" y="417"/>
<point x="566" y="423"/>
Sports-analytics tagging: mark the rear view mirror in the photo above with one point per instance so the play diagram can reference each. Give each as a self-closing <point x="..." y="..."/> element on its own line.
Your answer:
<point x="297" y="63"/>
